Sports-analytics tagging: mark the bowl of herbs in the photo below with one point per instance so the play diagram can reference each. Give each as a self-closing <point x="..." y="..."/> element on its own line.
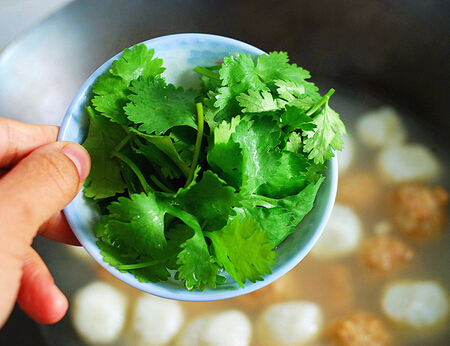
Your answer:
<point x="213" y="168"/>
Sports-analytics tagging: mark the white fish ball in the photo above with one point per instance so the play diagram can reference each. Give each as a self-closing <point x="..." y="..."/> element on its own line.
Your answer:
<point x="155" y="321"/>
<point x="407" y="163"/>
<point x="382" y="127"/>
<point x="345" y="157"/>
<point x="229" y="328"/>
<point x="415" y="304"/>
<point x="342" y="234"/>
<point x="292" y="323"/>
<point x="99" y="312"/>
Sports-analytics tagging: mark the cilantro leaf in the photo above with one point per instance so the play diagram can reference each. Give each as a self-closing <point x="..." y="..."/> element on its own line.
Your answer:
<point x="210" y="201"/>
<point x="290" y="177"/>
<point x="137" y="221"/>
<point x="275" y="66"/>
<point x="329" y="127"/>
<point x="105" y="179"/>
<point x="225" y="155"/>
<point x="238" y="75"/>
<point x="158" y="107"/>
<point x="196" y="265"/>
<point x="280" y="217"/>
<point x="110" y="98"/>
<point x="243" y="249"/>
<point x="295" y="118"/>
<point x="135" y="63"/>
<point x="166" y="146"/>
<point x="258" y="141"/>
<point x="254" y="101"/>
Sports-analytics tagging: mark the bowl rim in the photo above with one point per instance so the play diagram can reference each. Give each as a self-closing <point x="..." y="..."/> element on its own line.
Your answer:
<point x="328" y="188"/>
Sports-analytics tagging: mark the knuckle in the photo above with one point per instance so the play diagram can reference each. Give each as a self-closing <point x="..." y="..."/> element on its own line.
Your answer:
<point x="60" y="171"/>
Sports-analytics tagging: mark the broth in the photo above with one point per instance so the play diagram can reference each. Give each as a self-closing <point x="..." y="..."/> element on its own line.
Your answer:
<point x="339" y="286"/>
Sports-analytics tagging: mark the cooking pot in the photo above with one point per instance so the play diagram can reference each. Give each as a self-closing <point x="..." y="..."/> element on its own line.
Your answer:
<point x="397" y="51"/>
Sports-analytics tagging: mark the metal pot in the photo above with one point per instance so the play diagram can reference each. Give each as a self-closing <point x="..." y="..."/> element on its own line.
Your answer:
<point x="397" y="51"/>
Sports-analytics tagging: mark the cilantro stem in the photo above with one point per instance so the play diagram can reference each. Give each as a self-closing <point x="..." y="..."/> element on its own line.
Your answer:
<point x="124" y="141"/>
<point x="163" y="187"/>
<point x="321" y="102"/>
<point x="198" y="143"/>
<point x="206" y="72"/>
<point x="137" y="265"/>
<point x="147" y="188"/>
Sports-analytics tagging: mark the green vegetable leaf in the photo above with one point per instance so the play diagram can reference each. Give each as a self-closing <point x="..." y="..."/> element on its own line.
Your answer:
<point x="225" y="155"/>
<point x="166" y="146"/>
<point x="255" y="102"/>
<point x="258" y="141"/>
<point x="105" y="179"/>
<point x="290" y="177"/>
<point x="158" y="107"/>
<point x="238" y="75"/>
<point x="138" y="222"/>
<point x="243" y="249"/>
<point x="289" y="90"/>
<point x="196" y="265"/>
<point x="279" y="217"/>
<point x="210" y="200"/>
<point x="111" y="96"/>
<point x="275" y="66"/>
<point x="319" y="144"/>
<point x="135" y="63"/>
<point x="296" y="119"/>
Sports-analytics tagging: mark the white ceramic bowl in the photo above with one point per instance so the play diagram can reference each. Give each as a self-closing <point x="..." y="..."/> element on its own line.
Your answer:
<point x="181" y="53"/>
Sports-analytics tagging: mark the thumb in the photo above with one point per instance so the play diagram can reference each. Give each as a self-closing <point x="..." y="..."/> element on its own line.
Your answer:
<point x="38" y="187"/>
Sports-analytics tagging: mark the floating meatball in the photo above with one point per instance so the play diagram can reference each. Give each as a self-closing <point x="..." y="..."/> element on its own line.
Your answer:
<point x="99" y="312"/>
<point x="155" y="321"/>
<point x="292" y="323"/>
<point x="278" y="290"/>
<point x="341" y="235"/>
<point x="419" y="211"/>
<point x="415" y="304"/>
<point x="337" y="291"/>
<point x="229" y="328"/>
<point x="358" y="329"/>
<point x="360" y="190"/>
<point x="384" y="253"/>
<point x="408" y="162"/>
<point x="380" y="127"/>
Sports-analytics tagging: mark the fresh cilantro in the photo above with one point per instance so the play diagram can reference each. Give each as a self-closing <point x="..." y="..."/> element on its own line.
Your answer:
<point x="243" y="249"/>
<point x="105" y="178"/>
<point x="191" y="183"/>
<point x="135" y="63"/>
<point x="159" y="107"/>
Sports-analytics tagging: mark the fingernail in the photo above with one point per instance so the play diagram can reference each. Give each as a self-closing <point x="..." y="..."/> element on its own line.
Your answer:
<point x="79" y="157"/>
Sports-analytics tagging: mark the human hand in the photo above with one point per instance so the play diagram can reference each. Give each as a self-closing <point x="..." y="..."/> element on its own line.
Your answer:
<point x="38" y="178"/>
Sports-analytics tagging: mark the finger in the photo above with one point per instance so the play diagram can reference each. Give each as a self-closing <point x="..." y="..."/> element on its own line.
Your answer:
<point x="40" y="186"/>
<point x="38" y="296"/>
<point x="18" y="139"/>
<point x="57" y="228"/>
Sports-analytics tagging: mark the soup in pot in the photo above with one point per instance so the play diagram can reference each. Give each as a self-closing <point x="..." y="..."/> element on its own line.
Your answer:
<point x="379" y="274"/>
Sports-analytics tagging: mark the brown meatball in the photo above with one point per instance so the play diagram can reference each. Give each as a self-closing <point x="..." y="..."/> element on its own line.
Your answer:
<point x="277" y="291"/>
<point x="361" y="190"/>
<point x="419" y="211"/>
<point x="358" y="329"/>
<point x="385" y="253"/>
